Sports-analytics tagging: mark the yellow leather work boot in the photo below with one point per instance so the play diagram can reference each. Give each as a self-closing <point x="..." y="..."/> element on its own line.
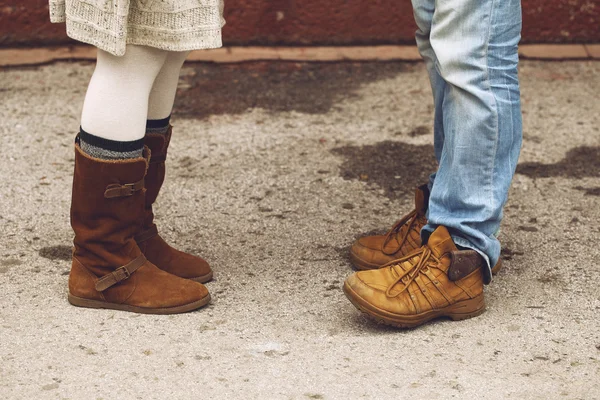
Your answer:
<point x="375" y="251"/>
<point x="437" y="280"/>
<point x="371" y="252"/>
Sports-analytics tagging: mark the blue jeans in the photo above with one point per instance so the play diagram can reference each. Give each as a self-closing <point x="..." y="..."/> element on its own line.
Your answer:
<point x="470" y="50"/>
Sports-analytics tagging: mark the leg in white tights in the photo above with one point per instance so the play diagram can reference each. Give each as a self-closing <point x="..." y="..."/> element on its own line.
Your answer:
<point x="164" y="90"/>
<point x="116" y="103"/>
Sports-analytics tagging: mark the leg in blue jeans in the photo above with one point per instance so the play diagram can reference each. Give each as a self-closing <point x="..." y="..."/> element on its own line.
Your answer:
<point x="470" y="49"/>
<point x="423" y="12"/>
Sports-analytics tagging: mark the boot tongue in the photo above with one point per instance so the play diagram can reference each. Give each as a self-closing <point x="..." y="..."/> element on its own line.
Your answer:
<point x="421" y="199"/>
<point x="440" y="242"/>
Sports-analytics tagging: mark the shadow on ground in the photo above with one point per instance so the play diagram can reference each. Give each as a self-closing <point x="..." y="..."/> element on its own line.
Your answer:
<point x="312" y="88"/>
<point x="56" y="252"/>
<point x="396" y="167"/>
<point x="592" y="191"/>
<point x="580" y="162"/>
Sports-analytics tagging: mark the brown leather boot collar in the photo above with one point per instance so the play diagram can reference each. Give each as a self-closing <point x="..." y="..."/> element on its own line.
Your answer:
<point x="463" y="262"/>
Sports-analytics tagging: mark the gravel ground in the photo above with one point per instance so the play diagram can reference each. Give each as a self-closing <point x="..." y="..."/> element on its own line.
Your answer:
<point x="274" y="169"/>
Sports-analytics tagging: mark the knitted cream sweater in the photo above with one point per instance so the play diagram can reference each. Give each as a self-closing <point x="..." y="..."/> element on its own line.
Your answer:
<point x="175" y="25"/>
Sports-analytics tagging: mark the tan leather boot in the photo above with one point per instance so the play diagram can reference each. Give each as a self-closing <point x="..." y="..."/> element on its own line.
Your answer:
<point x="374" y="251"/>
<point x="109" y="269"/>
<point x="151" y="243"/>
<point x="437" y="280"/>
<point x="371" y="252"/>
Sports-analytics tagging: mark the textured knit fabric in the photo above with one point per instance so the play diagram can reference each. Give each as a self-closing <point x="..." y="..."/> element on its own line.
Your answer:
<point x="158" y="125"/>
<point x="174" y="25"/>
<point x="106" y="149"/>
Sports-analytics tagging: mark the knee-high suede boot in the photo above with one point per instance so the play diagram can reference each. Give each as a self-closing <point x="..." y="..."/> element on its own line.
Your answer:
<point x="151" y="243"/>
<point x="109" y="270"/>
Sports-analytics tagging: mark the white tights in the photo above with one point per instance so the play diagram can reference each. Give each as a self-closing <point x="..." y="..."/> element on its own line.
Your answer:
<point x="125" y="91"/>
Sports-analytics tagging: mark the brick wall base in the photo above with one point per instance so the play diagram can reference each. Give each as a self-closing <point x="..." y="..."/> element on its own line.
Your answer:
<point x="318" y="22"/>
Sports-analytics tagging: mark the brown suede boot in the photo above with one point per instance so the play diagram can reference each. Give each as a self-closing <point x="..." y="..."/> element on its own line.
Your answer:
<point x="437" y="280"/>
<point x="152" y="245"/>
<point x="109" y="269"/>
<point x="372" y="252"/>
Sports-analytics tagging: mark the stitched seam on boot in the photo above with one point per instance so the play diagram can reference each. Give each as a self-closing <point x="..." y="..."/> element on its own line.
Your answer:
<point x="469" y="289"/>
<point x="425" y="291"/>
<point x="465" y="289"/>
<point x="132" y="278"/>
<point x="410" y="296"/>
<point x="440" y="288"/>
<point x="90" y="274"/>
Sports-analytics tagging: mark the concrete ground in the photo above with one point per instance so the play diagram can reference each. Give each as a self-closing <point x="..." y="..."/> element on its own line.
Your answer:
<point x="274" y="169"/>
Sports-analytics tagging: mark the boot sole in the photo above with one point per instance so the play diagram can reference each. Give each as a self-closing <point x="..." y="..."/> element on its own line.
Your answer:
<point x="497" y="267"/>
<point x="363" y="265"/>
<point x="81" y="302"/>
<point x="458" y="311"/>
<point x="204" y="278"/>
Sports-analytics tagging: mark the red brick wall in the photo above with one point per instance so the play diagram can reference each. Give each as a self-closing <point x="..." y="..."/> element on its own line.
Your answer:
<point x="318" y="22"/>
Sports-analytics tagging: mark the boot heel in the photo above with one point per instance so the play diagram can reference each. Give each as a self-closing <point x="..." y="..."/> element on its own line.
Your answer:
<point x="466" y="309"/>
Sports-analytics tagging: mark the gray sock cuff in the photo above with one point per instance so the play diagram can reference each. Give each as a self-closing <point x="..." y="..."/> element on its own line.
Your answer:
<point x="107" y="149"/>
<point x="160" y="126"/>
<point x="103" y="154"/>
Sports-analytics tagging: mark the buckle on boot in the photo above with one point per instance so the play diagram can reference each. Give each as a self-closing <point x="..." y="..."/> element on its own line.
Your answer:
<point x="121" y="270"/>
<point x="128" y="189"/>
<point x="119" y="274"/>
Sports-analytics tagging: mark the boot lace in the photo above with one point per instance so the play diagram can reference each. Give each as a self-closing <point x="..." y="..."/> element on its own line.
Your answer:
<point x="426" y="258"/>
<point x="410" y="218"/>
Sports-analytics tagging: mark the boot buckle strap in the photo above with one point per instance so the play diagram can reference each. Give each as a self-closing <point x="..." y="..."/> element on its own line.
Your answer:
<point x="120" y="274"/>
<point x="116" y="190"/>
